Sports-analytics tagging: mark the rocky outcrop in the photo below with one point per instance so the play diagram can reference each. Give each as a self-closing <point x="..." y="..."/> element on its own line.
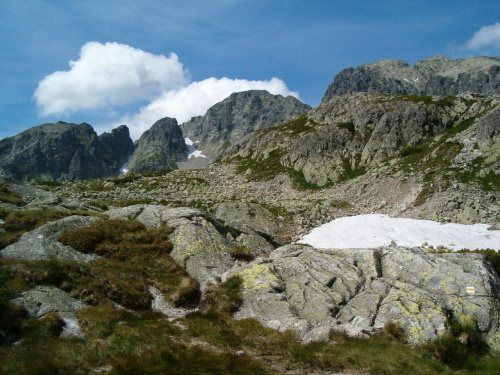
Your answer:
<point x="241" y="113"/>
<point x="350" y="134"/>
<point x="437" y="75"/>
<point x="203" y="244"/>
<point x="159" y="147"/>
<point x="63" y="151"/>
<point x="37" y="199"/>
<point x="251" y="214"/>
<point x="43" y="301"/>
<point x="42" y="243"/>
<point x="315" y="292"/>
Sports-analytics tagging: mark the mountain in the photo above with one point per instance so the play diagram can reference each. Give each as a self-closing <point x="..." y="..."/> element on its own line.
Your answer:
<point x="159" y="148"/>
<point x="241" y="113"/>
<point x="437" y="75"/>
<point x="64" y="151"/>
<point x="230" y="268"/>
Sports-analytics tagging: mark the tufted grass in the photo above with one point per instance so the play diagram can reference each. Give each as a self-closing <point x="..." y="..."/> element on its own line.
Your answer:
<point x="16" y="223"/>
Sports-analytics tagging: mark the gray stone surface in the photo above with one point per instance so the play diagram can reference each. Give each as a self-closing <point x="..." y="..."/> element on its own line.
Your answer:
<point x="358" y="291"/>
<point x="202" y="242"/>
<point x="251" y="214"/>
<point x="159" y="147"/>
<point x="43" y="301"/>
<point x="42" y="243"/>
<point x="437" y="75"/>
<point x="227" y="122"/>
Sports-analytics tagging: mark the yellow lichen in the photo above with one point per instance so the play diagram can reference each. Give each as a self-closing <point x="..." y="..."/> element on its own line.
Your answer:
<point x="257" y="277"/>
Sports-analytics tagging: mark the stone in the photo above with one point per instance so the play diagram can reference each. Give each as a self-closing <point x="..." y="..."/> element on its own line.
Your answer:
<point x="42" y="243"/>
<point x="43" y="301"/>
<point x="314" y="292"/>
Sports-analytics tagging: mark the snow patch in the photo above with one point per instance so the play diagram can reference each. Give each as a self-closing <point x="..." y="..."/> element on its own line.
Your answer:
<point x="123" y="169"/>
<point x="374" y="230"/>
<point x="192" y="150"/>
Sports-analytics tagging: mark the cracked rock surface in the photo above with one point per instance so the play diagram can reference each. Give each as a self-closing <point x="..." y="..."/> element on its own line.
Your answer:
<point x="315" y="292"/>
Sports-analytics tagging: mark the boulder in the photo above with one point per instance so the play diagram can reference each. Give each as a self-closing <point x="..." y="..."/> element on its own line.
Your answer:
<point x="43" y="301"/>
<point x="42" y="243"/>
<point x="314" y="292"/>
<point x="203" y="243"/>
<point x="251" y="214"/>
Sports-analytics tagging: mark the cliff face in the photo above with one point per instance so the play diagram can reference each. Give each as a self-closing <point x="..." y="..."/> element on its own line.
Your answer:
<point x="159" y="147"/>
<point x="64" y="151"/>
<point x="241" y="113"/>
<point x="351" y="134"/>
<point x="437" y="75"/>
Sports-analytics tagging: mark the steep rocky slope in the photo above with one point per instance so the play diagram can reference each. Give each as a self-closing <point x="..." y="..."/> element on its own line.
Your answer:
<point x="437" y="75"/>
<point x="351" y="134"/>
<point x="159" y="147"/>
<point x="62" y="151"/>
<point x="241" y="113"/>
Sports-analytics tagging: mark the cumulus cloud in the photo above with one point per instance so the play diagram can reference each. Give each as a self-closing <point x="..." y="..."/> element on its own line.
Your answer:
<point x="195" y="99"/>
<point x="106" y="75"/>
<point x="110" y="75"/>
<point x="486" y="36"/>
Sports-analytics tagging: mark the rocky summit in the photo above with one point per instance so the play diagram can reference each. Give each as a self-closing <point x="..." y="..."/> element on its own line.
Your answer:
<point x="159" y="147"/>
<point x="227" y="122"/>
<point x="63" y="151"/>
<point x="437" y="75"/>
<point x="166" y="265"/>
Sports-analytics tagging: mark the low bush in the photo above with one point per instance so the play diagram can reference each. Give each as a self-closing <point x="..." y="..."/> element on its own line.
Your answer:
<point x="224" y="298"/>
<point x="461" y="344"/>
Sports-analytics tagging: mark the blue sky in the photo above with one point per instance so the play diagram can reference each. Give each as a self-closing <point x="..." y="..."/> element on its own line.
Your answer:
<point x="303" y="44"/>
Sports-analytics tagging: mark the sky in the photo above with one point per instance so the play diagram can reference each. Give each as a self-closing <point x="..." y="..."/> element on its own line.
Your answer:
<point x="133" y="62"/>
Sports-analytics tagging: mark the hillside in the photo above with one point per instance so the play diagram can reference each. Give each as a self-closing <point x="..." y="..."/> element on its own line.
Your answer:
<point x="229" y="269"/>
<point x="62" y="151"/>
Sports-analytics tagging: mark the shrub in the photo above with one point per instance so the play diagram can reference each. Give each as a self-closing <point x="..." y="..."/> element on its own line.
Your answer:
<point x="242" y="252"/>
<point x="461" y="343"/>
<point x="224" y="298"/>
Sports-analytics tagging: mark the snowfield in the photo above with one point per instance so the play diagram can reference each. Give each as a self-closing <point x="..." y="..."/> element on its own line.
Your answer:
<point x="192" y="150"/>
<point x="374" y="230"/>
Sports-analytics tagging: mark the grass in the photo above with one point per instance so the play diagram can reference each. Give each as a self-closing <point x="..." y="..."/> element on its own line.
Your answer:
<point x="7" y="196"/>
<point x="133" y="258"/>
<point x="144" y="342"/>
<point x="16" y="223"/>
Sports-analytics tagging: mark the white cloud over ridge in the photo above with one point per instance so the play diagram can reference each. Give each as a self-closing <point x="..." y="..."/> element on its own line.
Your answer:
<point x="486" y="36"/>
<point x="108" y="75"/>
<point x="112" y="74"/>
<point x="195" y="99"/>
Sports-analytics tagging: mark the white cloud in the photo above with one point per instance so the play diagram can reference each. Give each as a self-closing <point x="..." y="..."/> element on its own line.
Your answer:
<point x="195" y="99"/>
<point x="108" y="75"/>
<point x="487" y="35"/>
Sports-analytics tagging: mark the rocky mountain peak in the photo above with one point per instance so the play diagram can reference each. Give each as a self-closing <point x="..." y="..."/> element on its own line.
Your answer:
<point x="159" y="147"/>
<point x="64" y="151"/>
<point x="437" y="75"/>
<point x="241" y="113"/>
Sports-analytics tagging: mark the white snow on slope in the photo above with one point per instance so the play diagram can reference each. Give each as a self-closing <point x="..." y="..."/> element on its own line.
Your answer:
<point x="193" y="151"/>
<point x="368" y="231"/>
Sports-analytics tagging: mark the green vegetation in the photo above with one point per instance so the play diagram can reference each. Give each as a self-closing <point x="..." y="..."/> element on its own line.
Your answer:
<point x="16" y="223"/>
<point x="7" y="196"/>
<point x="461" y="346"/>
<point x="133" y="258"/>
<point x="349" y="126"/>
<point x="121" y="341"/>
<point x="223" y="299"/>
